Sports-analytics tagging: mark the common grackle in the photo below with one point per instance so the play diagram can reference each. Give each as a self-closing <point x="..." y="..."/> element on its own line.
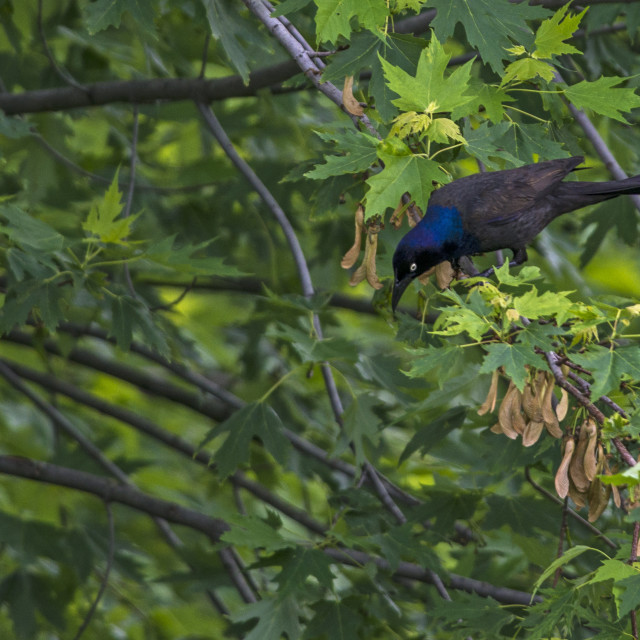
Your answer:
<point x="496" y="210"/>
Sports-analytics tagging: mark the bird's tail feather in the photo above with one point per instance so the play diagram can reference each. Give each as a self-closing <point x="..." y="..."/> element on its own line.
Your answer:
<point x="607" y="189"/>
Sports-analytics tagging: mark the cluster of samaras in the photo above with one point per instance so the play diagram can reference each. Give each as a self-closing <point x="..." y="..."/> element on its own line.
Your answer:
<point x="577" y="476"/>
<point x="531" y="411"/>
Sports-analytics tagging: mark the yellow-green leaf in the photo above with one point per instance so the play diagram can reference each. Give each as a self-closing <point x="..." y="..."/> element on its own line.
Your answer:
<point x="553" y="32"/>
<point x="102" y="221"/>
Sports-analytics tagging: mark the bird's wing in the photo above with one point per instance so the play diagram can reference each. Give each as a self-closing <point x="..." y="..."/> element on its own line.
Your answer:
<point x="500" y="197"/>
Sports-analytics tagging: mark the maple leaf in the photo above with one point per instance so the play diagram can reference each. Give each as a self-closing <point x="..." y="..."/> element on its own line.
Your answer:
<point x="552" y="33"/>
<point x="601" y="96"/>
<point x="333" y="18"/>
<point x="527" y="69"/>
<point x="102" y="221"/>
<point x="490" y="26"/>
<point x="401" y="173"/>
<point x="429" y="91"/>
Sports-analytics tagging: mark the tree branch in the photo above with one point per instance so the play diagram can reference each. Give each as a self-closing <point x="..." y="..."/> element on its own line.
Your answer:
<point x="174" y="442"/>
<point x="415" y="572"/>
<point x="111" y="492"/>
<point x="105" y="578"/>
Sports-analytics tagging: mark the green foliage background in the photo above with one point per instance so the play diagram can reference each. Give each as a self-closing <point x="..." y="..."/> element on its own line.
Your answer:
<point x="214" y="449"/>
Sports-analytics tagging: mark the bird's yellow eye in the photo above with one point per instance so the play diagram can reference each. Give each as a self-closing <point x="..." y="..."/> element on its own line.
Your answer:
<point x="413" y="267"/>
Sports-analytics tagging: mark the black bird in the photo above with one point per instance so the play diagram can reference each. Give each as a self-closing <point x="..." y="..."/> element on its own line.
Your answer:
<point x="496" y="210"/>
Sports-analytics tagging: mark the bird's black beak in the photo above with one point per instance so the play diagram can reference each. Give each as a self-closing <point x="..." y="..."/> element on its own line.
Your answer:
<point x="399" y="287"/>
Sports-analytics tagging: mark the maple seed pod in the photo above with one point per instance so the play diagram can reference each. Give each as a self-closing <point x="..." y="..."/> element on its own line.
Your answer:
<point x="590" y="464"/>
<point x="424" y="278"/>
<point x="444" y="274"/>
<point x="563" y="405"/>
<point x="579" y="497"/>
<point x="517" y="419"/>
<point x="532" y="433"/>
<point x="368" y="267"/>
<point x="532" y="398"/>
<point x="349" y="102"/>
<point x="576" y="468"/>
<point x="504" y="413"/>
<point x="351" y="256"/>
<point x="396" y="217"/>
<point x="562" y="474"/>
<point x="496" y="428"/>
<point x="548" y="414"/>
<point x="598" y="499"/>
<point x="490" y="401"/>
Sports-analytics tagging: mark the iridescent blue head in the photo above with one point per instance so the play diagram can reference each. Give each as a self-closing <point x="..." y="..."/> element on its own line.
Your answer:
<point x="437" y="237"/>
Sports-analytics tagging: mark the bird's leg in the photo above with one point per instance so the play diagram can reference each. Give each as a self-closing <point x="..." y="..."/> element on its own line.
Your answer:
<point x="519" y="256"/>
<point x="466" y="264"/>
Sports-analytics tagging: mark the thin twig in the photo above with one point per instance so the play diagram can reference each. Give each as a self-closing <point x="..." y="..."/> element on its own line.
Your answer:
<point x="632" y="559"/>
<point x="264" y="193"/>
<point x="105" y="577"/>
<point x="102" y="179"/>
<point x="130" y="190"/>
<point x="205" y="51"/>
<point x="624" y="452"/>
<point x="178" y="300"/>
<point x="238" y="578"/>
<point x="372" y="473"/>
<point x="62" y="73"/>
<point x="561" y="537"/>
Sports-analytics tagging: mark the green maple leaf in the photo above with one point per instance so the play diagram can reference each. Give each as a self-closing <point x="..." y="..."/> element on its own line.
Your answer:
<point x="102" y="221"/>
<point x="629" y="600"/>
<point x="276" y="616"/>
<point x="513" y="357"/>
<point x="526" y="69"/>
<point x="612" y="570"/>
<point x="401" y="173"/>
<point x="454" y="321"/>
<point x="254" y="533"/>
<point x="359" y="152"/>
<point x="182" y="259"/>
<point x="399" y="49"/>
<point x="601" y="96"/>
<point x="550" y="303"/>
<point x="629" y="477"/>
<point x="484" y="143"/>
<point x="513" y="142"/>
<point x="301" y="563"/>
<point x="491" y="97"/>
<point x="289" y="6"/>
<point x="333" y="17"/>
<point x="335" y="621"/>
<point x="361" y="423"/>
<point x="429" y="91"/>
<point x="490" y="26"/>
<point x="431" y="358"/>
<point x="552" y="33"/>
<point x="101" y="14"/>
<point x="253" y="420"/>
<point x="435" y="430"/>
<point x="609" y="366"/>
